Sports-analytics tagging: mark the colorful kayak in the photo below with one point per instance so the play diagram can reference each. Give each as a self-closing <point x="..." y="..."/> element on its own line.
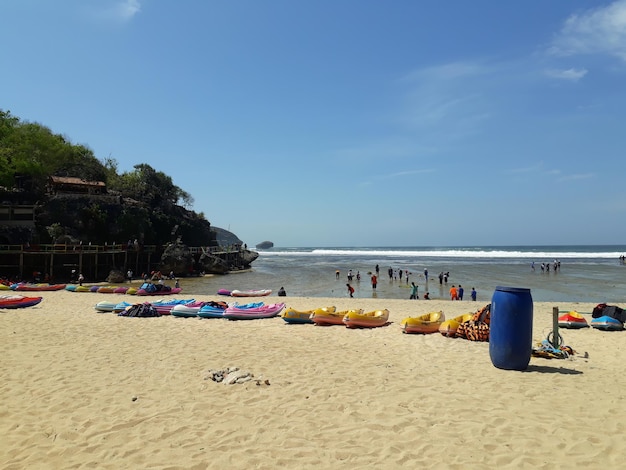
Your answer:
<point x="188" y="310"/>
<point x="292" y="315"/>
<point x="448" y="328"/>
<point x="250" y="293"/>
<point x="607" y="323"/>
<point x="265" y="311"/>
<point x="18" y="301"/>
<point x="164" y="291"/>
<point x="324" y="317"/>
<point x="217" y="309"/>
<point x="371" y="319"/>
<point x="164" y="307"/>
<point x="111" y="289"/>
<point x="105" y="306"/>
<point x="424" y="324"/>
<point x="573" y="320"/>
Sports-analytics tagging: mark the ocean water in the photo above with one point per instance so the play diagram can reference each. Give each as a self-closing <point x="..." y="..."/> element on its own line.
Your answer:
<point x="587" y="273"/>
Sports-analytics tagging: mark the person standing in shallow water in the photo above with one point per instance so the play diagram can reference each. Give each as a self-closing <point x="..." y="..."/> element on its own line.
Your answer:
<point x="374" y="281"/>
<point x="414" y="294"/>
<point x="459" y="292"/>
<point x="350" y="290"/>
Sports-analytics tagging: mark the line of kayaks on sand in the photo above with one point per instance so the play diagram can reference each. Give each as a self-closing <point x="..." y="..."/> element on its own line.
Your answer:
<point x="428" y="323"/>
<point x="189" y="308"/>
<point x="144" y="289"/>
<point x="32" y="287"/>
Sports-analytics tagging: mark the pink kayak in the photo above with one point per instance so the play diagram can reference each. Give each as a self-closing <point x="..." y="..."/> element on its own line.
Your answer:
<point x="265" y="311"/>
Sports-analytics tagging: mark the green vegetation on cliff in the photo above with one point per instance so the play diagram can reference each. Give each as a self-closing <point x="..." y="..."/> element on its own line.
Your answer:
<point x="141" y="204"/>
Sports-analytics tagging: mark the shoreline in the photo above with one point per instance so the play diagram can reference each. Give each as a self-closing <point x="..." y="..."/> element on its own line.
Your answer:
<point x="82" y="388"/>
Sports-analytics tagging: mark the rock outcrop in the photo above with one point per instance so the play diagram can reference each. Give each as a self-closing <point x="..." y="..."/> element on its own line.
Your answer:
<point x="177" y="257"/>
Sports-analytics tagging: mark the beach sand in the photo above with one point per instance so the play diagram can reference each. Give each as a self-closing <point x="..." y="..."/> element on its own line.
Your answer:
<point x="82" y="389"/>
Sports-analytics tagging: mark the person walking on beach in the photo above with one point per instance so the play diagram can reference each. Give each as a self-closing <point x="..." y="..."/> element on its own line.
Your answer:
<point x="414" y="288"/>
<point x="81" y="279"/>
<point x="337" y="274"/>
<point x="453" y="293"/>
<point x="460" y="292"/>
<point x="426" y="274"/>
<point x="473" y="294"/>
<point x="374" y="281"/>
<point x="350" y="290"/>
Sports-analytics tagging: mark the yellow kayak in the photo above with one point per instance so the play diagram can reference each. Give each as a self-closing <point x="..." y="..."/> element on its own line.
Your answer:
<point x="424" y="324"/>
<point x="291" y="315"/>
<point x="321" y="316"/>
<point x="371" y="319"/>
<point x="448" y="328"/>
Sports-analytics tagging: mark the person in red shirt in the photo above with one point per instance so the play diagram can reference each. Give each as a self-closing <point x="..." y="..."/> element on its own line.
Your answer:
<point x="374" y="281"/>
<point x="350" y="290"/>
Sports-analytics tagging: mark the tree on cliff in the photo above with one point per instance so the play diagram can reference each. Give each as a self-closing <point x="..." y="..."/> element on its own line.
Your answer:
<point x="150" y="206"/>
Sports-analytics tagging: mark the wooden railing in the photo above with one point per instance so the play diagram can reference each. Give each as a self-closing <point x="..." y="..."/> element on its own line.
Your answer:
<point x="106" y="248"/>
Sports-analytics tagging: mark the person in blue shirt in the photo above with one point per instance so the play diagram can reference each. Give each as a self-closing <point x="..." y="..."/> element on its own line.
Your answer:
<point x="473" y="294"/>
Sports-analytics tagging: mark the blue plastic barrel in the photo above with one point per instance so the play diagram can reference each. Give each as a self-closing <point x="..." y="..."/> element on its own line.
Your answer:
<point x="511" y="328"/>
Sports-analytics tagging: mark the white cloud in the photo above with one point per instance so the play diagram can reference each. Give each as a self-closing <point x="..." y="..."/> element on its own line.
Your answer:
<point x="120" y="11"/>
<point x="596" y="31"/>
<point x="569" y="74"/>
<point x="575" y="177"/>
<point x="127" y="9"/>
<point x="453" y="70"/>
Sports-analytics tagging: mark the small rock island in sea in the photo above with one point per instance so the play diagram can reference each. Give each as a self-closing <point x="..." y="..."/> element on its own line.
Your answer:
<point x="264" y="245"/>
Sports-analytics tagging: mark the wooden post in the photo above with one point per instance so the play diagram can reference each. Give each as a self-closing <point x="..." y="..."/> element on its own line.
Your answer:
<point x="555" y="327"/>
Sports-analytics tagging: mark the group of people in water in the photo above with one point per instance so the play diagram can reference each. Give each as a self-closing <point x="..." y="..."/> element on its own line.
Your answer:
<point x="545" y="267"/>
<point x="403" y="275"/>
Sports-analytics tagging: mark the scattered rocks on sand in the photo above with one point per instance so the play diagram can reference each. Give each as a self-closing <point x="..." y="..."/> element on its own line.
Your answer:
<point x="233" y="375"/>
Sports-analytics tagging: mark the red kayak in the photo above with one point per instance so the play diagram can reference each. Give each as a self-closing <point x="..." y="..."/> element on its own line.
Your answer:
<point x="18" y="301"/>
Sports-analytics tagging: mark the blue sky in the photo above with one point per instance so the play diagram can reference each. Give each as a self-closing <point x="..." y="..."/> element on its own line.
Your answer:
<point x="345" y="122"/>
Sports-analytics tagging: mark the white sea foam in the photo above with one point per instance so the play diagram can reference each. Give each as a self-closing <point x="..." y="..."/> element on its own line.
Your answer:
<point x="447" y="253"/>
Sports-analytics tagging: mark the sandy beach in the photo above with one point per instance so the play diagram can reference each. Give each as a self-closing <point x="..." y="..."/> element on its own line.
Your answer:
<point x="82" y="389"/>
